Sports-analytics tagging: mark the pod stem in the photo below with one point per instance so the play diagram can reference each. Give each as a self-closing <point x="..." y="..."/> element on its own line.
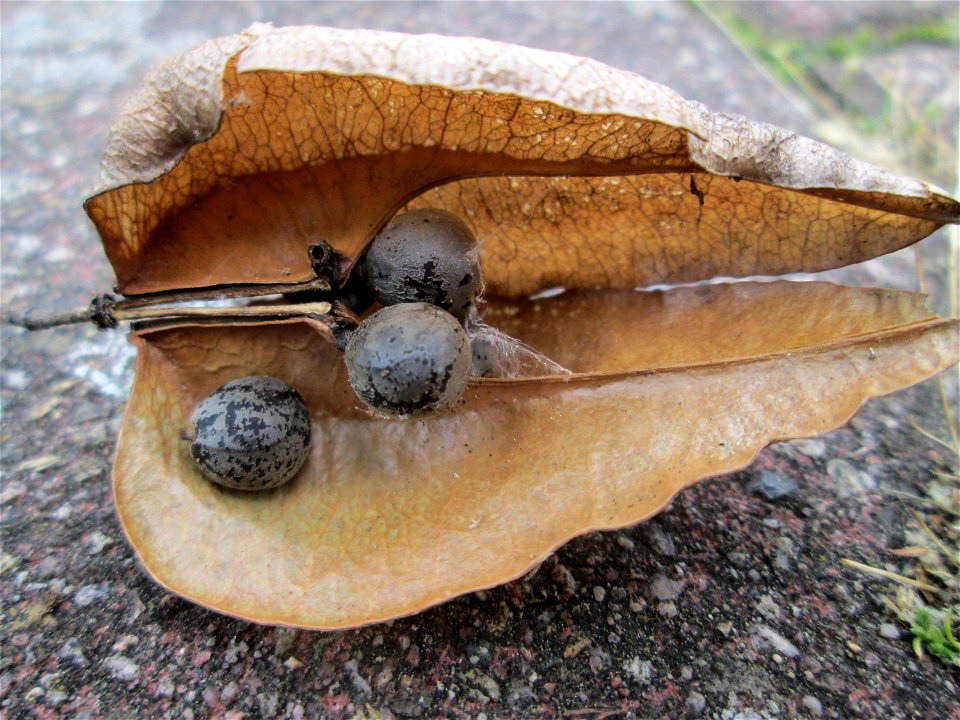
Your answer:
<point x="107" y="311"/>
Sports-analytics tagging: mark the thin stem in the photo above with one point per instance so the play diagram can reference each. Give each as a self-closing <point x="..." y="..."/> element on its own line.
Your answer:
<point x="125" y="313"/>
<point x="802" y="104"/>
<point x="888" y="575"/>
<point x="273" y="311"/>
<point x="952" y="556"/>
<point x="105" y="311"/>
<point x="221" y="291"/>
<point x="930" y="436"/>
<point x="34" y="321"/>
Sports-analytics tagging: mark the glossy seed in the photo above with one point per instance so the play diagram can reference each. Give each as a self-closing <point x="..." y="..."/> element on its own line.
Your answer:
<point x="251" y="434"/>
<point x="425" y="256"/>
<point x="409" y="359"/>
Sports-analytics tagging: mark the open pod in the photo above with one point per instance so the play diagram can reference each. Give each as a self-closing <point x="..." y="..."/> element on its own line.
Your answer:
<point x="238" y="157"/>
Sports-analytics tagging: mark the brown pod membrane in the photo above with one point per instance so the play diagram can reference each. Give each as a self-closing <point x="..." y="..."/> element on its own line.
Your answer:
<point x="389" y="517"/>
<point x="568" y="172"/>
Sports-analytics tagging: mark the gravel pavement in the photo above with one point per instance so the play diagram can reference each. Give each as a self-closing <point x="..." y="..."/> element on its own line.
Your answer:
<point x="732" y="604"/>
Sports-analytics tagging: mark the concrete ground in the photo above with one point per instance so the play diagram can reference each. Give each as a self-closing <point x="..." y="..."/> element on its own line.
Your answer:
<point x="731" y="604"/>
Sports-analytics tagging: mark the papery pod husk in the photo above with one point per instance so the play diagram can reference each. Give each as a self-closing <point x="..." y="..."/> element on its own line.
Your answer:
<point x="236" y="157"/>
<point x="571" y="172"/>
<point x="392" y="516"/>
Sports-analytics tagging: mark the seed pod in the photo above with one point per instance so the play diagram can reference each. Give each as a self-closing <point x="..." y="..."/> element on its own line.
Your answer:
<point x="573" y="174"/>
<point x="409" y="359"/>
<point x="251" y="434"/>
<point x="425" y="256"/>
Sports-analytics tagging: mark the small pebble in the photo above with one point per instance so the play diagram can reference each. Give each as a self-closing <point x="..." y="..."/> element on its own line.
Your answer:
<point x="599" y="593"/>
<point x="813" y="705"/>
<point x="890" y="631"/>
<point x="165" y="688"/>
<point x="98" y="541"/>
<point x="16" y="379"/>
<point x="55" y="696"/>
<point x="777" y="641"/>
<point x="640" y="670"/>
<point x="850" y="479"/>
<point x="660" y="541"/>
<point x="90" y="594"/>
<point x="663" y="588"/>
<point x="72" y="652"/>
<point x="814" y="447"/>
<point x="668" y="609"/>
<point x="696" y="702"/>
<point x="229" y="692"/>
<point x="120" y="667"/>
<point x="773" y="486"/>
<point x="235" y="652"/>
<point x="268" y="703"/>
<point x="125" y="642"/>
<point x="356" y="679"/>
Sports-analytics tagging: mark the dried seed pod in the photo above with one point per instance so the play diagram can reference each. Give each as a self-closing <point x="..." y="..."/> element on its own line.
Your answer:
<point x="251" y="434"/>
<point x="426" y="256"/>
<point x="409" y="359"/>
<point x="573" y="174"/>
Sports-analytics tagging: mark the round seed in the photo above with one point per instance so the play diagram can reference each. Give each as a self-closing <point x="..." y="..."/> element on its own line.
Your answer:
<point x="425" y="256"/>
<point x="251" y="434"/>
<point x="409" y="359"/>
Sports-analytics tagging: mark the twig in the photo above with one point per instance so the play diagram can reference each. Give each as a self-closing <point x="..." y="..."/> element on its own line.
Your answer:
<point x="931" y="436"/>
<point x="106" y="315"/>
<point x="106" y="311"/>
<point x="952" y="556"/>
<point x="32" y="321"/>
<point x="247" y="311"/>
<point x="888" y="575"/>
<point x="223" y="291"/>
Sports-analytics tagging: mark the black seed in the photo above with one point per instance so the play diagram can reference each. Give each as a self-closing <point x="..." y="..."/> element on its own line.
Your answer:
<point x="484" y="356"/>
<point x="409" y="359"/>
<point x="438" y="264"/>
<point x="251" y="434"/>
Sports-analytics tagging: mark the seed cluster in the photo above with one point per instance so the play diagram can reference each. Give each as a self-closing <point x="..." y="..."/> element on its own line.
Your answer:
<point x="410" y="358"/>
<point x="413" y="357"/>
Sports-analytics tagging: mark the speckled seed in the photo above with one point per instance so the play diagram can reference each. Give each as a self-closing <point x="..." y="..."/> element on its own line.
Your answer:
<point x="251" y="434"/>
<point x="409" y="359"/>
<point x="484" y="356"/>
<point x="425" y="256"/>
